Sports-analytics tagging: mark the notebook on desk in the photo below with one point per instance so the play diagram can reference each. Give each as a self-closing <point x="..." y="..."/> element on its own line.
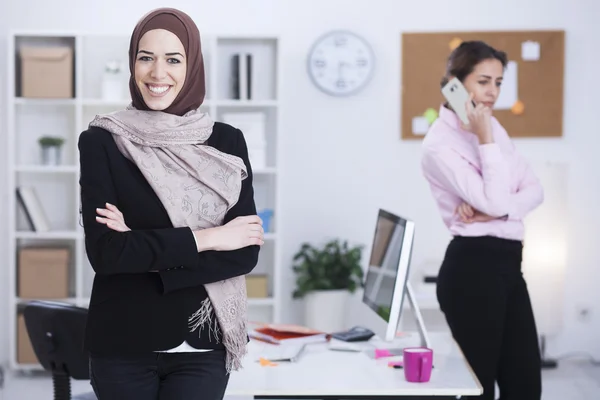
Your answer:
<point x="289" y="334"/>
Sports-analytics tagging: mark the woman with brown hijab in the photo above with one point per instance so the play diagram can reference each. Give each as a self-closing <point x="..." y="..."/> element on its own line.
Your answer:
<point x="170" y="228"/>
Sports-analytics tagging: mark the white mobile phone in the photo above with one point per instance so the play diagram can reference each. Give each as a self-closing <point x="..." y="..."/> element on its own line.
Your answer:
<point x="457" y="97"/>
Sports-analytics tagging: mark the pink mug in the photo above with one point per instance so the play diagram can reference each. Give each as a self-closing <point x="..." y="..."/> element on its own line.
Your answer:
<point x="418" y="362"/>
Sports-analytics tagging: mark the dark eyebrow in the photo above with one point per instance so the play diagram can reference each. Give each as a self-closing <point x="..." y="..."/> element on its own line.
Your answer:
<point x="167" y="54"/>
<point x="489" y="77"/>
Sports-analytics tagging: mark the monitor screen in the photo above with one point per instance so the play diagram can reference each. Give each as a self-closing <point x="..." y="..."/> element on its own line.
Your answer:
<point x="386" y="250"/>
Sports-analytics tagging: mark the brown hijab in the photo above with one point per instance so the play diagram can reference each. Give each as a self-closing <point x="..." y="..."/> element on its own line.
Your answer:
<point x="179" y="23"/>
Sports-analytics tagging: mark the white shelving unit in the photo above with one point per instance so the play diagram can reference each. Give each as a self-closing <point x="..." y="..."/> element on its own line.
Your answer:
<point x="58" y="186"/>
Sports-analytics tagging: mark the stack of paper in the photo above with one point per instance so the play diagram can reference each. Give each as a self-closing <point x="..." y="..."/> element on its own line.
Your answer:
<point x="252" y="125"/>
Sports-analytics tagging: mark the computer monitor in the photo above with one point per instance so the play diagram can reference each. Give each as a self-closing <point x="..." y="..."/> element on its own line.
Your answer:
<point x="386" y="282"/>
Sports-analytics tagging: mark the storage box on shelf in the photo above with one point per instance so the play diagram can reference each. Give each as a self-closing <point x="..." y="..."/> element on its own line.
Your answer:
<point x="38" y="63"/>
<point x="90" y="75"/>
<point x="25" y="353"/>
<point x="44" y="272"/>
<point x="40" y="57"/>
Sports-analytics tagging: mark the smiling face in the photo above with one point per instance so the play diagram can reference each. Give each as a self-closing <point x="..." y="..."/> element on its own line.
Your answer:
<point x="485" y="80"/>
<point x="160" y="68"/>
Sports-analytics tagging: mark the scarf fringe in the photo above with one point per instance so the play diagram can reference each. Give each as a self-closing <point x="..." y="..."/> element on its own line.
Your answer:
<point x="235" y="340"/>
<point x="204" y="318"/>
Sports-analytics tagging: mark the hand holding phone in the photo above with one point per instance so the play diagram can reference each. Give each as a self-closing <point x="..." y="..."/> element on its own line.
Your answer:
<point x="458" y="97"/>
<point x="475" y="118"/>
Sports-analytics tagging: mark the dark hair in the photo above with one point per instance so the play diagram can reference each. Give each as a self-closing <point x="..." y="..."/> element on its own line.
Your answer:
<point x="465" y="57"/>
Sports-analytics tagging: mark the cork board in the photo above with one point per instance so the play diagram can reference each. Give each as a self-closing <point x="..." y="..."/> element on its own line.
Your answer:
<point x="538" y="82"/>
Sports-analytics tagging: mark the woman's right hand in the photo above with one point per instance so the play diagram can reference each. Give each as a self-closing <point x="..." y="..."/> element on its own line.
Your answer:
<point x="480" y="121"/>
<point x="469" y="215"/>
<point x="238" y="233"/>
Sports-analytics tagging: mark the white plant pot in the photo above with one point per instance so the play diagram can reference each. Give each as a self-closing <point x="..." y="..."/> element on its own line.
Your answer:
<point x="326" y="310"/>
<point x="51" y="155"/>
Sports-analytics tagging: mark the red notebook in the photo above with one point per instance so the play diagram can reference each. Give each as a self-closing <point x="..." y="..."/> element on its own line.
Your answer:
<point x="277" y="334"/>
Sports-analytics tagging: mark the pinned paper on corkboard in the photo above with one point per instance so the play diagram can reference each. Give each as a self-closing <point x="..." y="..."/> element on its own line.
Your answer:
<point x="430" y="115"/>
<point x="518" y="108"/>
<point x="454" y="43"/>
<point x="530" y="50"/>
<point x="532" y="102"/>
<point x="420" y="125"/>
<point x="509" y="91"/>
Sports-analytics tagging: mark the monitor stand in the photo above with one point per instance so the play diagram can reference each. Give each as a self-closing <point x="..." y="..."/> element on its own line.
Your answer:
<point x="392" y="347"/>
<point x="412" y="299"/>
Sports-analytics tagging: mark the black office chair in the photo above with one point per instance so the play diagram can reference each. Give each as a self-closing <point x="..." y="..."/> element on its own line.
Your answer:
<point x="56" y="331"/>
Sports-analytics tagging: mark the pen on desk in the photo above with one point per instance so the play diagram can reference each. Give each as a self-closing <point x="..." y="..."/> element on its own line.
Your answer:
<point x="258" y="339"/>
<point x="398" y="365"/>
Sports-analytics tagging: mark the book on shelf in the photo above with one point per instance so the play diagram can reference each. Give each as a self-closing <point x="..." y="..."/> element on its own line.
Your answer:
<point x="285" y="333"/>
<point x="241" y="76"/>
<point x="32" y="208"/>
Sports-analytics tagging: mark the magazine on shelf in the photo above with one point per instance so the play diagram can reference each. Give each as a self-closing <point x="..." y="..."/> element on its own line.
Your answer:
<point x="33" y="209"/>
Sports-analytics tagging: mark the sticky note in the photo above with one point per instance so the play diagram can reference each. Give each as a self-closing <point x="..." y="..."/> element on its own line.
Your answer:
<point x="266" y="363"/>
<point x="379" y="353"/>
<point x="518" y="108"/>
<point x="431" y="115"/>
<point x="454" y="43"/>
<point x="530" y="51"/>
<point x="420" y="125"/>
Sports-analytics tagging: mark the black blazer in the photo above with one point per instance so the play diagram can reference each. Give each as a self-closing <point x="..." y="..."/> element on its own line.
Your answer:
<point x="131" y="309"/>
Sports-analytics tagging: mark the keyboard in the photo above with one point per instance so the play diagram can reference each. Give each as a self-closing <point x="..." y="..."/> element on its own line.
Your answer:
<point x="356" y="334"/>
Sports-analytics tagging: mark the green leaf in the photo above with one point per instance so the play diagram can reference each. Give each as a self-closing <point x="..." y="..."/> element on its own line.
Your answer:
<point x="333" y="266"/>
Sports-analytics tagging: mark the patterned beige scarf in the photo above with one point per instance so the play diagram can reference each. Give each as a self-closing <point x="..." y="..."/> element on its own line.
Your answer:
<point x="197" y="185"/>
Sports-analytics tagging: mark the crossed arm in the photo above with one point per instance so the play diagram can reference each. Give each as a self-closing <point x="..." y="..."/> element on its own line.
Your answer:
<point x="173" y="252"/>
<point x="488" y="195"/>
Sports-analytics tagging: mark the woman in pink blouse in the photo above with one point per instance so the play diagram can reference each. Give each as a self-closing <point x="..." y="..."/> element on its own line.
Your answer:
<point x="484" y="189"/>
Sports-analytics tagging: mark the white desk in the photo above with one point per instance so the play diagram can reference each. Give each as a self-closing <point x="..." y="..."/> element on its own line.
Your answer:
<point x="323" y="373"/>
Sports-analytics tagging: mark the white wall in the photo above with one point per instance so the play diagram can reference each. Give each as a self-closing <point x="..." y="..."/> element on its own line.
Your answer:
<point x="363" y="164"/>
<point x="3" y="268"/>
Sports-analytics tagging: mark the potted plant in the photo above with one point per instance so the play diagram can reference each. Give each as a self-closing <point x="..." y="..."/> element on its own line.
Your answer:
<point x="324" y="278"/>
<point x="51" y="149"/>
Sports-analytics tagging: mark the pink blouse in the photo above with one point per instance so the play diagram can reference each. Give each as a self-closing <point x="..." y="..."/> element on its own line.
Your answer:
<point x="493" y="178"/>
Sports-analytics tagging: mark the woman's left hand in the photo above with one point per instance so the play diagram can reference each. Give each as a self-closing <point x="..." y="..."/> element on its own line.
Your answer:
<point x="469" y="215"/>
<point x="112" y="217"/>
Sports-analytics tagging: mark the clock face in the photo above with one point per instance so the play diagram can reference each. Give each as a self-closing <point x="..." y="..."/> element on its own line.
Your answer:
<point x="340" y="63"/>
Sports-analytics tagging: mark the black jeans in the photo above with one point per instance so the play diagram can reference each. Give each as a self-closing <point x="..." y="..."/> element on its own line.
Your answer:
<point x="160" y="376"/>
<point x="486" y="303"/>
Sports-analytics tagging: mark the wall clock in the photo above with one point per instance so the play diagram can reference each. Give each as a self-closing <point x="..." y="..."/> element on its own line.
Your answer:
<point x="340" y="63"/>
